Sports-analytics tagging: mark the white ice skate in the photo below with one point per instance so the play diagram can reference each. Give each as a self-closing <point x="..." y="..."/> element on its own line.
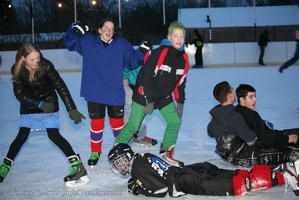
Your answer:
<point x="75" y="183"/>
<point x="145" y="143"/>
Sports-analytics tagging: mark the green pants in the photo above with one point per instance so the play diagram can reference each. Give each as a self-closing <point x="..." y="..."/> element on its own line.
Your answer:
<point x="171" y="118"/>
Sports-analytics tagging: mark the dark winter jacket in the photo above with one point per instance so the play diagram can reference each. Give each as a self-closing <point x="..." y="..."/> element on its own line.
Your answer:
<point x="264" y="38"/>
<point x="198" y="40"/>
<point x="227" y="125"/>
<point x="163" y="73"/>
<point x="271" y="138"/>
<point x="148" y="176"/>
<point x="42" y="88"/>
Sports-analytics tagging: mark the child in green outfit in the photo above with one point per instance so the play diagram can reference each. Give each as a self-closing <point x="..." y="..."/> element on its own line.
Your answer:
<point x="163" y="73"/>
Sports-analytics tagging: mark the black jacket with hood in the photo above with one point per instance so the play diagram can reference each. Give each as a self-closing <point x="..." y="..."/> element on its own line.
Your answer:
<point x="226" y="125"/>
<point x="265" y="135"/>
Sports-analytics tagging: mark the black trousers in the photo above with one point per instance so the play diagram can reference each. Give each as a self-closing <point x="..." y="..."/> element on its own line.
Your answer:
<point x="53" y="135"/>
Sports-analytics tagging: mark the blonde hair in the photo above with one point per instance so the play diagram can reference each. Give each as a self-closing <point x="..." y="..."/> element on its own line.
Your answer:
<point x="25" y="50"/>
<point x="176" y="25"/>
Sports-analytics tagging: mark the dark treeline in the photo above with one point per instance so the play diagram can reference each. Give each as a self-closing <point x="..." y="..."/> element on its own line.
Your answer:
<point x="139" y="19"/>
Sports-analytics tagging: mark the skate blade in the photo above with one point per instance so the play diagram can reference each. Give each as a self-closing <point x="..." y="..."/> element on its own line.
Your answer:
<point x="143" y="146"/>
<point x="82" y="181"/>
<point x="93" y="167"/>
<point x="171" y="163"/>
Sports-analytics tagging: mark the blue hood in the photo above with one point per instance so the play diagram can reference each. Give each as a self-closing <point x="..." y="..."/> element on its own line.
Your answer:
<point x="166" y="42"/>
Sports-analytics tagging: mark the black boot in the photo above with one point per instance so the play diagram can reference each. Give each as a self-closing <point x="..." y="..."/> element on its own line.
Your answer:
<point x="78" y="174"/>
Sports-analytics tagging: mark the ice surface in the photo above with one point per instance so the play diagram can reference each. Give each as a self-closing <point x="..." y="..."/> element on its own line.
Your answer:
<point x="38" y="170"/>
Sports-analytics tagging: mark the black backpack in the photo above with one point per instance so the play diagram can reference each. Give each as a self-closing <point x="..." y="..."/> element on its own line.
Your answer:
<point x="148" y="176"/>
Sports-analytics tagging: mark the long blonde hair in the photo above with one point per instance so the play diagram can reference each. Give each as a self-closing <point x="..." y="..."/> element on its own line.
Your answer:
<point x="25" y="50"/>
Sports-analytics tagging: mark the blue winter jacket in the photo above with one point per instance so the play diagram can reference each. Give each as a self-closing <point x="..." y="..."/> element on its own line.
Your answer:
<point x="102" y="71"/>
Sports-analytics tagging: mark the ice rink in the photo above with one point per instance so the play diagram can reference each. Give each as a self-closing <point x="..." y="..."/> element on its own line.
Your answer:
<point x="38" y="170"/>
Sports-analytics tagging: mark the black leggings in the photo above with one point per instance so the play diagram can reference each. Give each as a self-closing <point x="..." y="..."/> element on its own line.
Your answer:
<point x="53" y="134"/>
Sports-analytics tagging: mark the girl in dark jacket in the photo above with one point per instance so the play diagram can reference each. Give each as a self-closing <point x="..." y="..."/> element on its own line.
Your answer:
<point x="35" y="82"/>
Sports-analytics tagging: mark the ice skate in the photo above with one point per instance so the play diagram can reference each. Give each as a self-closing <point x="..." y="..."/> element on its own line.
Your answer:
<point x="93" y="160"/>
<point x="78" y="175"/>
<point x="5" y="168"/>
<point x="166" y="155"/>
<point x="145" y="143"/>
<point x="290" y="174"/>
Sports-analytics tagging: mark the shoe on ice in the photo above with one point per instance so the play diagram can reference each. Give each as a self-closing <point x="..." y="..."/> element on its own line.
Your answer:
<point x="78" y="175"/>
<point x="94" y="159"/>
<point x="290" y="174"/>
<point x="5" y="168"/>
<point x="166" y="155"/>
<point x="145" y="143"/>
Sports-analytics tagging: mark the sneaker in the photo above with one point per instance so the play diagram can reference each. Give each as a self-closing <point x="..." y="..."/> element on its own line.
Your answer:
<point x="166" y="155"/>
<point x="262" y="64"/>
<point x="94" y="159"/>
<point x="146" y="142"/>
<point x="78" y="174"/>
<point x="291" y="175"/>
<point x="5" y="168"/>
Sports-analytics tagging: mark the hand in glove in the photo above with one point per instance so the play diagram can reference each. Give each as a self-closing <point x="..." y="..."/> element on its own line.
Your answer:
<point x="149" y="108"/>
<point x="179" y="109"/>
<point x="145" y="46"/>
<point x="80" y="28"/>
<point x="132" y="187"/>
<point x="76" y="116"/>
<point x="46" y="106"/>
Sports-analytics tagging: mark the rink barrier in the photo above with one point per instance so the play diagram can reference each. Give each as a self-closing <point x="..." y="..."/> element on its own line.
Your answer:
<point x="214" y="55"/>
